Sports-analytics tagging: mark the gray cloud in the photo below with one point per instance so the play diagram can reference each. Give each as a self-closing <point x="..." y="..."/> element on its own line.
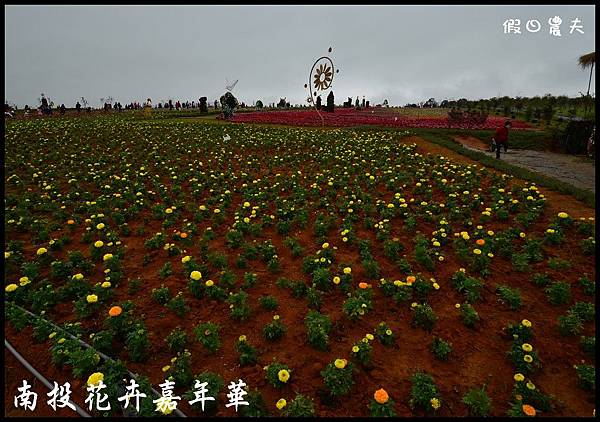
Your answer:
<point x="402" y="53"/>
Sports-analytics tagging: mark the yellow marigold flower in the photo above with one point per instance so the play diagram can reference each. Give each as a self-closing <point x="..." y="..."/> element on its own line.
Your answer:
<point x="99" y="243"/>
<point x="196" y="275"/>
<point x="413" y="305"/>
<point x="388" y="332"/>
<point x="283" y="375"/>
<point x="457" y="305"/>
<point x="563" y="215"/>
<point x="347" y="270"/>
<point x="477" y="251"/>
<point x="242" y="338"/>
<point x="52" y="334"/>
<point x="202" y="208"/>
<point x="281" y="403"/>
<point x="11" y="287"/>
<point x="526" y="323"/>
<point x="527" y="347"/>
<point x="522" y="235"/>
<point x="209" y="283"/>
<point x="169" y="211"/>
<point x="100" y="226"/>
<point x="519" y="377"/>
<point x="336" y="280"/>
<point x="528" y="358"/>
<point x="78" y="276"/>
<point x="435" y="403"/>
<point x="217" y="211"/>
<point x="107" y="256"/>
<point x="530" y="385"/>
<point x="340" y="363"/>
<point x="41" y="251"/>
<point x="95" y="378"/>
<point x="166" y="368"/>
<point x="166" y="410"/>
<point x="61" y="341"/>
<point x="275" y="317"/>
<point x="185" y="259"/>
<point x="370" y="336"/>
<point x="436" y="286"/>
<point x="92" y="298"/>
<point x="325" y="245"/>
<point x="355" y="349"/>
<point x="106" y="285"/>
<point x="7" y="255"/>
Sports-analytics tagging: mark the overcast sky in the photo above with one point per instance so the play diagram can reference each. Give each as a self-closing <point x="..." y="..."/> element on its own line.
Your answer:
<point x="402" y="53"/>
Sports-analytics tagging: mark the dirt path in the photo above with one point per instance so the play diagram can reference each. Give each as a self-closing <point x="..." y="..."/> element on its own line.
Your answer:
<point x="568" y="168"/>
<point x="557" y="202"/>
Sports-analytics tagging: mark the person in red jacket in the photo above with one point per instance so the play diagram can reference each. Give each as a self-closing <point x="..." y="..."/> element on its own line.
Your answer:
<point x="500" y="138"/>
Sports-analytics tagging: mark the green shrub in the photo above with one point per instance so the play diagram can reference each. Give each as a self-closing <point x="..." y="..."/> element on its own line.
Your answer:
<point x="558" y="293"/>
<point x="586" y="311"/>
<point x="384" y="334"/>
<point x="570" y="324"/>
<point x="208" y="335"/>
<point x="478" y="402"/>
<point x="338" y="380"/>
<point x="510" y="296"/>
<point x="424" y="316"/>
<point x="318" y="327"/>
<point x="587" y="376"/>
<point x="177" y="340"/>
<point x="440" y="348"/>
<point x="278" y="374"/>
<point x="274" y="330"/>
<point x="424" y="393"/>
<point x="161" y="295"/>
<point x="248" y="354"/>
<point x="268" y="302"/>
<point x="588" y="344"/>
<point x="470" y="317"/>
<point x="300" y="406"/>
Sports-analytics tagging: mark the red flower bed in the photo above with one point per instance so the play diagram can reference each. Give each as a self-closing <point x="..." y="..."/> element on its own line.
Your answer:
<point x="351" y="117"/>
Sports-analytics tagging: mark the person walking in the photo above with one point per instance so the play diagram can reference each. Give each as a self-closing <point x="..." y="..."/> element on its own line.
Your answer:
<point x="590" y="145"/>
<point x="500" y="138"/>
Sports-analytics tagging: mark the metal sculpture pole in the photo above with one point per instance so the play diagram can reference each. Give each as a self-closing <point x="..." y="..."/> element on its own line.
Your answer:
<point x="322" y="78"/>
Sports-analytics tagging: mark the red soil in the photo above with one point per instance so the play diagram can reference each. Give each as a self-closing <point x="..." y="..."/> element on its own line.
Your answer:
<point x="478" y="357"/>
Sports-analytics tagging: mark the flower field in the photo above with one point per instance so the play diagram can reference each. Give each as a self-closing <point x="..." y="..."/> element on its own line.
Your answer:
<point x="378" y="116"/>
<point x="337" y="273"/>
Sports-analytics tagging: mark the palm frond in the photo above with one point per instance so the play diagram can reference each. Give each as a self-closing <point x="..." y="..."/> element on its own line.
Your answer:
<point x="587" y="59"/>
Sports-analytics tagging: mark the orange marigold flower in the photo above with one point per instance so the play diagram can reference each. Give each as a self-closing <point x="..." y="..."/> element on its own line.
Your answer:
<point x="71" y="222"/>
<point x="183" y="235"/>
<point x="480" y="242"/>
<point x="381" y="396"/>
<point x="411" y="279"/>
<point x="363" y="285"/>
<point x="115" y="311"/>
<point x="528" y="410"/>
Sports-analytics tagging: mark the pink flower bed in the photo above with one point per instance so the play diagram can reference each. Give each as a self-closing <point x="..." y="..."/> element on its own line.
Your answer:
<point x="351" y="117"/>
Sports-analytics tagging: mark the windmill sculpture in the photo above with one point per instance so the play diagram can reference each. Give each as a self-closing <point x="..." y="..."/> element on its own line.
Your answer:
<point x="320" y="78"/>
